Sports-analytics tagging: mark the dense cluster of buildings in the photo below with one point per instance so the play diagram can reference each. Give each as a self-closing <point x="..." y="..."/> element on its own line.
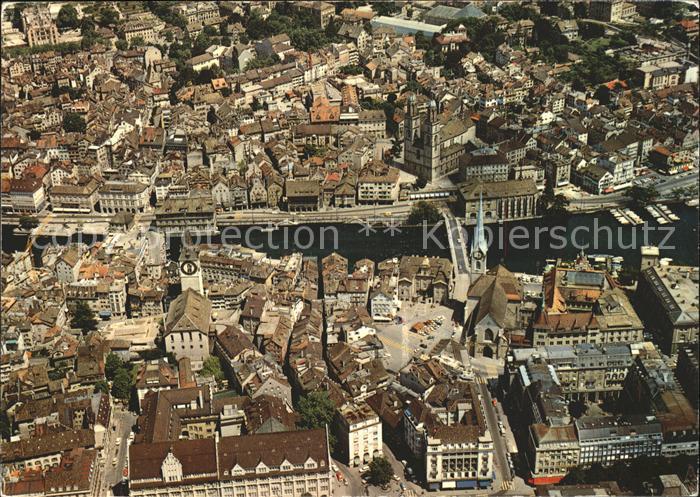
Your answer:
<point x="218" y="343"/>
<point x="308" y="133"/>
<point x="544" y="380"/>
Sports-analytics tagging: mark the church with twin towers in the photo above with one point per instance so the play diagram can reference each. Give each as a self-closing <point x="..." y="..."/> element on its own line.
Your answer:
<point x="433" y="142"/>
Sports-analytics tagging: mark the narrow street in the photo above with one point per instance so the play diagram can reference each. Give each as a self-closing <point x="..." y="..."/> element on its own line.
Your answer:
<point x="112" y="474"/>
<point x="500" y="449"/>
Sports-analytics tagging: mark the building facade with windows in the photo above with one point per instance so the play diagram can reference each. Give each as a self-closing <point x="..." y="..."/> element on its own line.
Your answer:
<point x="124" y="197"/>
<point x="501" y="200"/>
<point x="459" y="456"/>
<point x="187" y="327"/>
<point x="79" y="198"/>
<point x="552" y="451"/>
<point x="433" y="145"/>
<point x="27" y="195"/>
<point x="606" y="440"/>
<point x="586" y="372"/>
<point x="668" y="303"/>
<point x="178" y="215"/>
<point x="39" y="27"/>
<point x="293" y="463"/>
<point x="359" y="433"/>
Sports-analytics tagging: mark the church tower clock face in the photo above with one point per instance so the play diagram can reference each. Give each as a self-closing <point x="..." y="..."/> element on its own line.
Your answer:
<point x="188" y="268"/>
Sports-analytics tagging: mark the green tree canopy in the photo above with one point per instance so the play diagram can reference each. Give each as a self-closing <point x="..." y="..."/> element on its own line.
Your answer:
<point x="212" y="367"/>
<point x="389" y="107"/>
<point x="580" y="10"/>
<point x="28" y="222"/>
<point x="351" y="70"/>
<point x="262" y="61"/>
<point x="201" y="43"/>
<point x="424" y="212"/>
<point x="121" y="44"/>
<point x="121" y="386"/>
<point x="166" y="13"/>
<point x="380" y="471"/>
<point x="516" y="12"/>
<point x="395" y="149"/>
<point x="108" y="17"/>
<point x="211" y="115"/>
<point x="73" y="122"/>
<point x="316" y="410"/>
<point x="83" y="318"/>
<point x="61" y="48"/>
<point x="313" y="150"/>
<point x="67" y="17"/>
<point x="628" y="275"/>
<point x="113" y="363"/>
<point x="137" y="41"/>
<point x="641" y="196"/>
<point x="90" y="36"/>
<point x="17" y="14"/>
<point x="602" y="94"/>
<point x="299" y="25"/>
<point x="87" y="27"/>
<point x="555" y="207"/>
<point x="5" y="425"/>
<point x="415" y="87"/>
<point x="101" y="386"/>
<point x="385" y="8"/>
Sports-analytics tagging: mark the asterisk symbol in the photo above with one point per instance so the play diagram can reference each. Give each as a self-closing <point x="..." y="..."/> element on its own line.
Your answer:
<point x="393" y="227"/>
<point x="367" y="228"/>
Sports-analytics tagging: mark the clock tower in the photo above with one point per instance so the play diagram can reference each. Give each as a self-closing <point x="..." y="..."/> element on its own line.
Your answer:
<point x="479" y="248"/>
<point x="190" y="270"/>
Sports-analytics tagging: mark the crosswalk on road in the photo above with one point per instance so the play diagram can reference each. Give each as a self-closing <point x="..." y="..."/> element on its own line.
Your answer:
<point x="507" y="485"/>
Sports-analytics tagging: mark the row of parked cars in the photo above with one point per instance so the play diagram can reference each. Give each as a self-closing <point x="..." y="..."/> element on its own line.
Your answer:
<point x="428" y="327"/>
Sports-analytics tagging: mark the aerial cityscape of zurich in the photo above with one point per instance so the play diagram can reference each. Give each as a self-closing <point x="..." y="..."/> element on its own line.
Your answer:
<point x="331" y="248"/>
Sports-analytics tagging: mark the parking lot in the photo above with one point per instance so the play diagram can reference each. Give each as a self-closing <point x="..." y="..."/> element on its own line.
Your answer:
<point x="401" y="344"/>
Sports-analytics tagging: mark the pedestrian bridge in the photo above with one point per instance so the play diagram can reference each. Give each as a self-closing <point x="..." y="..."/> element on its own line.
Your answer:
<point x="457" y="236"/>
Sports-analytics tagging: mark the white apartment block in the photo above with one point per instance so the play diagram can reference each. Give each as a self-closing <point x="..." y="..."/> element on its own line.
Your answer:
<point x="124" y="197"/>
<point x="458" y="457"/>
<point x="359" y="433"/>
